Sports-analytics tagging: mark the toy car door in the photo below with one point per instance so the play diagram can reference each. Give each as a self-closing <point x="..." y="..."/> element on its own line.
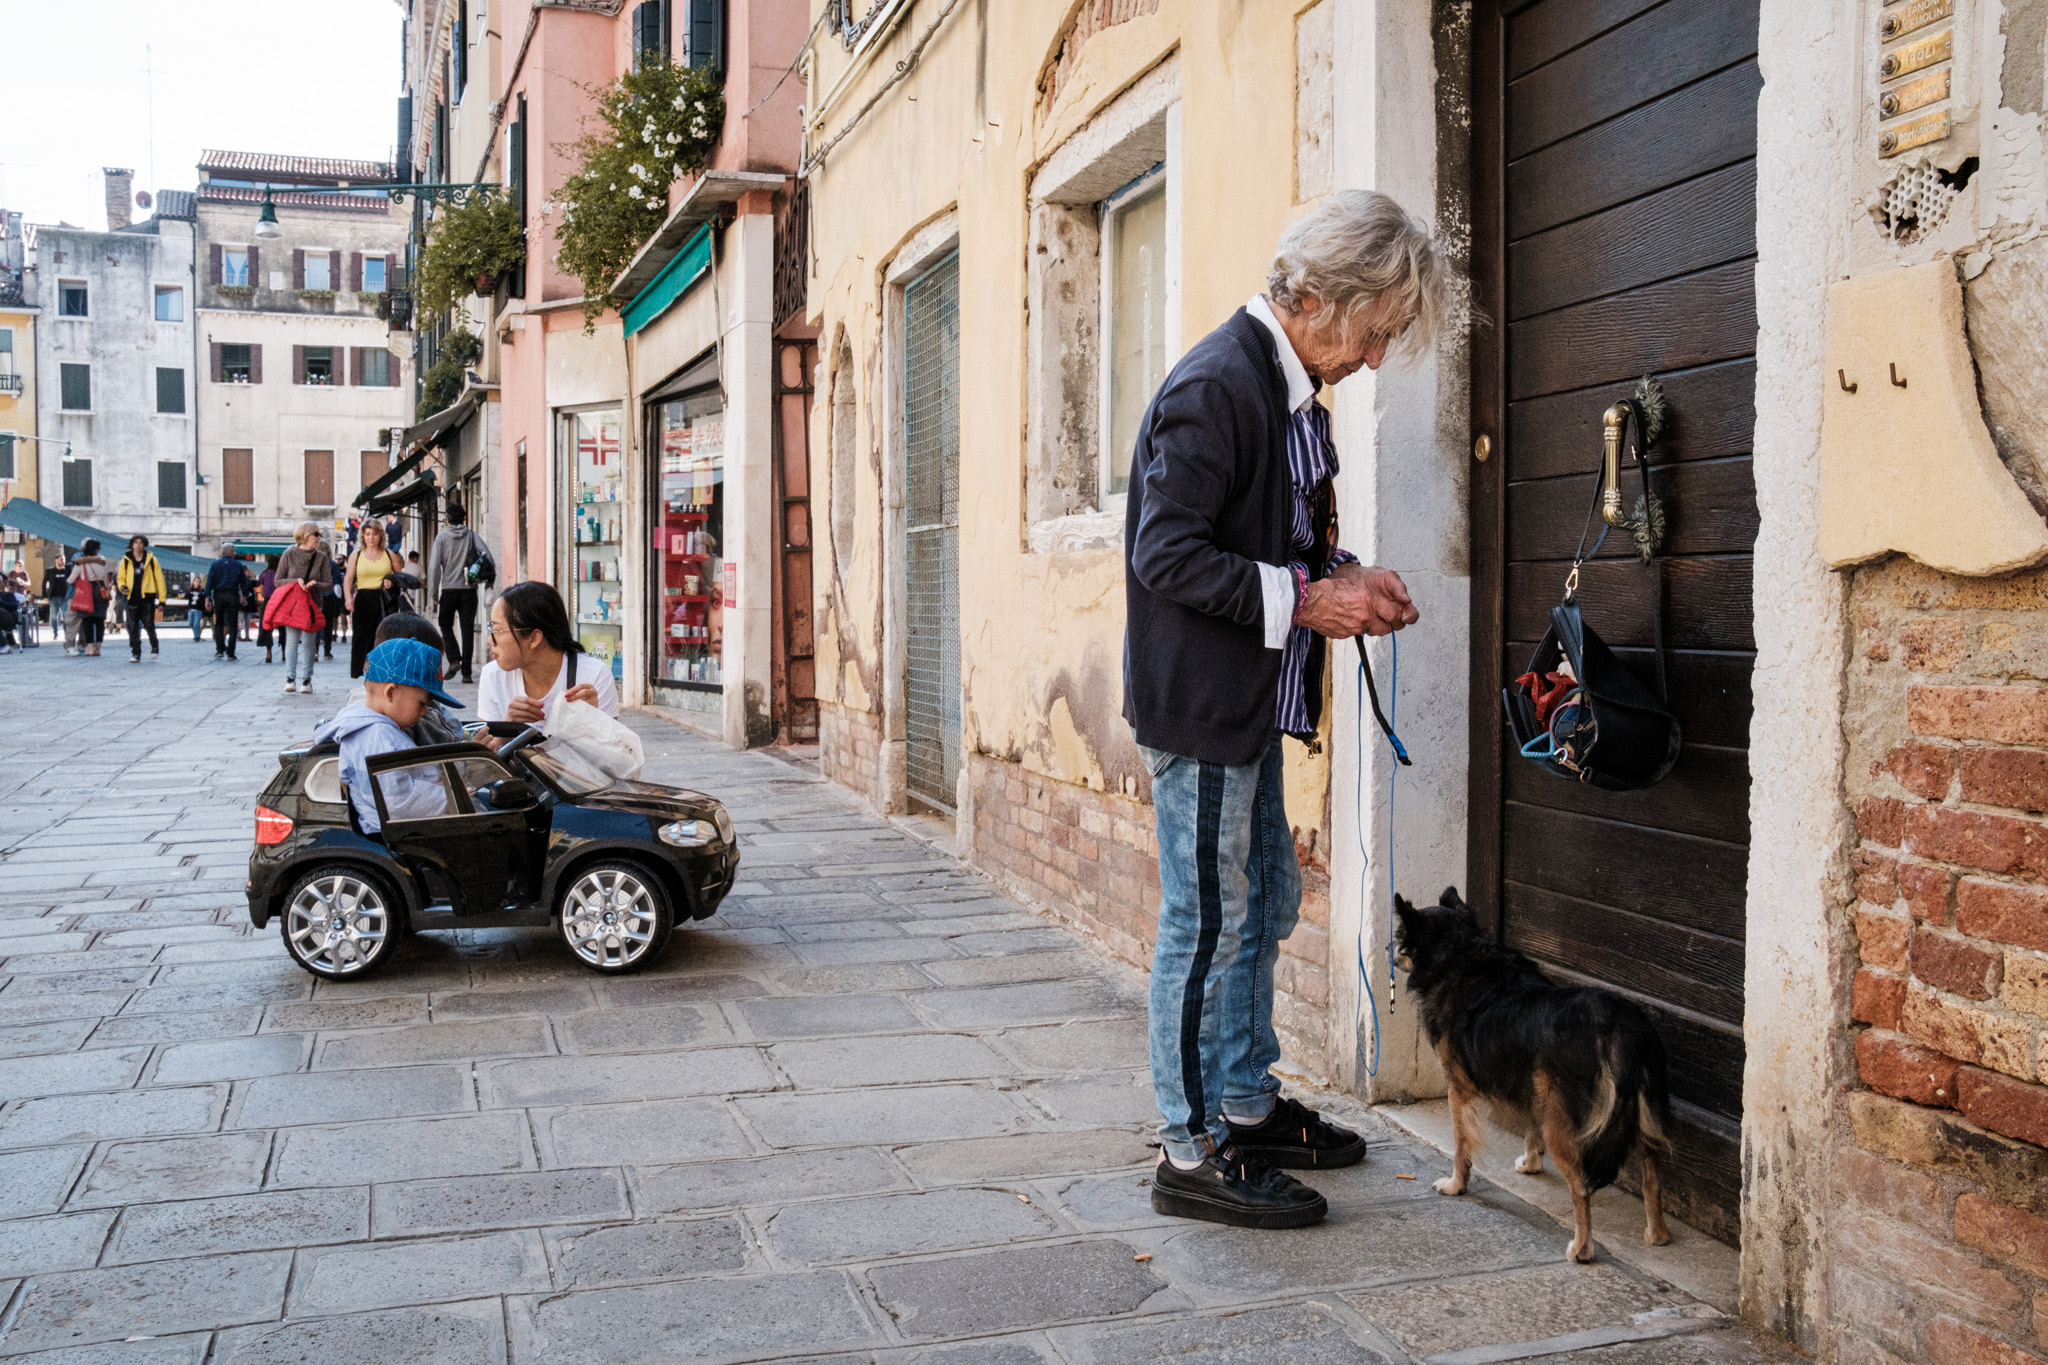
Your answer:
<point x="438" y="810"/>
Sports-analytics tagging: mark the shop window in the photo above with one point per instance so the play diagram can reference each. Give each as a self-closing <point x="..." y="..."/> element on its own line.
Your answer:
<point x="689" y="433"/>
<point x="597" y="497"/>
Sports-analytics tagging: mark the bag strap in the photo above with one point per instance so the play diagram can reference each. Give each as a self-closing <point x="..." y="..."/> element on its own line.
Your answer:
<point x="1625" y="425"/>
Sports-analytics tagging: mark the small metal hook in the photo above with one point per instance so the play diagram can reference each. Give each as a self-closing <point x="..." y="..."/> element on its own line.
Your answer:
<point x="1843" y="377"/>
<point x="1896" y="381"/>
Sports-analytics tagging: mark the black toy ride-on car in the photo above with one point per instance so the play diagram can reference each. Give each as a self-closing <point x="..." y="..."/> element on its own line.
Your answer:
<point x="477" y="839"/>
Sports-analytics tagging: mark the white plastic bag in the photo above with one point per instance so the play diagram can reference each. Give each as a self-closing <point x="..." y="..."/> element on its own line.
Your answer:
<point x="585" y="738"/>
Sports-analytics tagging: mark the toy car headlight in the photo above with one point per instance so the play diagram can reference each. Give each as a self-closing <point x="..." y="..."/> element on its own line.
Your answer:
<point x="724" y="824"/>
<point x="688" y="833"/>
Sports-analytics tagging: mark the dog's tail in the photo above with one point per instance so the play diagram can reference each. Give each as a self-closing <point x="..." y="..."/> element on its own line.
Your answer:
<point x="1632" y="1103"/>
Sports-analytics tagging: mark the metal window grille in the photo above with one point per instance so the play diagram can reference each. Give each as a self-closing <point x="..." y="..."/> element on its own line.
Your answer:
<point x="931" y="514"/>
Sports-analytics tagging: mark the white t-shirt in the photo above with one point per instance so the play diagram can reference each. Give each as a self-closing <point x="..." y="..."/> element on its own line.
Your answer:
<point x="495" y="688"/>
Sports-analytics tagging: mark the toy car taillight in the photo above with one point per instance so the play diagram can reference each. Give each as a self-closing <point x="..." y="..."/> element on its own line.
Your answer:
<point x="271" y="826"/>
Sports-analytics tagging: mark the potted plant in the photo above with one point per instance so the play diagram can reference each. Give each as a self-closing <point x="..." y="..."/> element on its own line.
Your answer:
<point x="469" y="247"/>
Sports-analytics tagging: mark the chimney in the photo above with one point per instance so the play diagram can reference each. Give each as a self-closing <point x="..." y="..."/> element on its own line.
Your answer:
<point x="120" y="188"/>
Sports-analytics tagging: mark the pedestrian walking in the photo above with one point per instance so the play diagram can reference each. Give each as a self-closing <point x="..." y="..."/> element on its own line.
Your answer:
<point x="364" y="591"/>
<point x="195" y="605"/>
<point x="307" y="564"/>
<point x="56" y="590"/>
<point x="224" y="579"/>
<point x="141" y="581"/>
<point x="266" y="583"/>
<point x="87" y="601"/>
<point x="1232" y="580"/>
<point x="452" y="587"/>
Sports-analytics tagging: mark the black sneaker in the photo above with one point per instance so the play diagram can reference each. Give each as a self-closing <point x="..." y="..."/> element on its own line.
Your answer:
<point x="1295" y="1137"/>
<point x="1232" y="1187"/>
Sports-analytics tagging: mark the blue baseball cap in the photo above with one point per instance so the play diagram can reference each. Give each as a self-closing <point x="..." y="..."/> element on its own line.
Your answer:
<point x="414" y="663"/>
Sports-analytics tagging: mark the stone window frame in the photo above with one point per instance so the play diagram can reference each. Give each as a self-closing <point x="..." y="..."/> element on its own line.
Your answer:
<point x="1067" y="381"/>
<point x="64" y="287"/>
<point x="922" y="249"/>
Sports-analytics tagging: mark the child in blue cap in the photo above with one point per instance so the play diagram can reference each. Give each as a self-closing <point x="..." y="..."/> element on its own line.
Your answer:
<point x="400" y="678"/>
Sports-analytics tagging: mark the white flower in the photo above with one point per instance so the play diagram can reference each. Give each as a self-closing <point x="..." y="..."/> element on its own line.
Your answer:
<point x="633" y="192"/>
<point x="679" y="101"/>
<point x="639" y="170"/>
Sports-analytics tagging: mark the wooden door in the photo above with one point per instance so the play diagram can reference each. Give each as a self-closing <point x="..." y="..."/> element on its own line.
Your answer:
<point x="1614" y="209"/>
<point x="796" y="701"/>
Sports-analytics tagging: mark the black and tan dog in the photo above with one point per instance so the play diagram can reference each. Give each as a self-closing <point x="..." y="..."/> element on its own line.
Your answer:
<point x="1579" y="1071"/>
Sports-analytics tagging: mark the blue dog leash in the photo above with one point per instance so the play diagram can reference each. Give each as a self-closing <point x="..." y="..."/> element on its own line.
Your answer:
<point x="1369" y="690"/>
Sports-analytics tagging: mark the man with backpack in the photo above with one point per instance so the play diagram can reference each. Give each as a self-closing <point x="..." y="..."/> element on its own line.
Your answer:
<point x="459" y="566"/>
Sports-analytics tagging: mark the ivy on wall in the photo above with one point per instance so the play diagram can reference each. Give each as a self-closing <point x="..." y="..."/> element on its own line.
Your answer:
<point x="658" y="123"/>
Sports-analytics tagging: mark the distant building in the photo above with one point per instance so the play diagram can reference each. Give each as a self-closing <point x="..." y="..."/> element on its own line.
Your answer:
<point x="114" y="351"/>
<point x="299" y="384"/>
<point x="17" y="389"/>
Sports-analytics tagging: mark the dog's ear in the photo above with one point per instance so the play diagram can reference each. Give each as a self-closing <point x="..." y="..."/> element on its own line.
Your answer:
<point x="1449" y="900"/>
<point x="1401" y="906"/>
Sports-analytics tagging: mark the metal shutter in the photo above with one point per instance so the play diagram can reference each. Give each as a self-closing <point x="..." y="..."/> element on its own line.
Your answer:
<point x="931" y="542"/>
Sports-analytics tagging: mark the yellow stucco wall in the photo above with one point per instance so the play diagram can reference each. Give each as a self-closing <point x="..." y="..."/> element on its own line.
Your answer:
<point x="963" y="134"/>
<point x="18" y="411"/>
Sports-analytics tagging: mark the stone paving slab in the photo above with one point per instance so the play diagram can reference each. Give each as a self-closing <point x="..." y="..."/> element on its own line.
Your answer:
<point x="871" y="1112"/>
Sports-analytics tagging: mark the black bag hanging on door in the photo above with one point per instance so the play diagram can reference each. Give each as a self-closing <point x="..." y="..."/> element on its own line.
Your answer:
<point x="1579" y="711"/>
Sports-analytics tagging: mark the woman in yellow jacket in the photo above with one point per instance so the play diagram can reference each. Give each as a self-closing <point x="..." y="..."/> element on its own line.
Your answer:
<point x="141" y="581"/>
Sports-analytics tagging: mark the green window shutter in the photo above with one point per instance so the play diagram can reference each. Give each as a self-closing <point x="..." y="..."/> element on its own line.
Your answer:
<point x="74" y="383"/>
<point x="707" y="33"/>
<point x="78" y="483"/>
<point x="170" y="484"/>
<point x="170" y="390"/>
<point x="7" y="455"/>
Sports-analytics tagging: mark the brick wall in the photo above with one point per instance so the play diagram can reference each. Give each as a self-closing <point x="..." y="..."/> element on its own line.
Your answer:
<point x="1089" y="858"/>
<point x="1939" y="1237"/>
<point x="850" y="748"/>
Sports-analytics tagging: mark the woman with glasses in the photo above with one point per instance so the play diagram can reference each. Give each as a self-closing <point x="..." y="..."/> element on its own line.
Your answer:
<point x="536" y="663"/>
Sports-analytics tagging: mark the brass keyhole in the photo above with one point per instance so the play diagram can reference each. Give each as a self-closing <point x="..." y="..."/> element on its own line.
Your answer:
<point x="1482" y="448"/>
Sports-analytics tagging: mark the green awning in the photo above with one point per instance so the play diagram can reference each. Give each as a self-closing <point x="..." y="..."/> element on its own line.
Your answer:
<point x="32" y="518"/>
<point x="398" y="471"/>
<point x="674" y="280"/>
<point x="258" y="545"/>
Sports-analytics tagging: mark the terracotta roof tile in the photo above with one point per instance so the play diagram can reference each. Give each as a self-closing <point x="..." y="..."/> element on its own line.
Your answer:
<point x="341" y="202"/>
<point x="292" y="167"/>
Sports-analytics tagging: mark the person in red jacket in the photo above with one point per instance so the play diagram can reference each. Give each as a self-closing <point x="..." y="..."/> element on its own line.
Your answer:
<point x="307" y="565"/>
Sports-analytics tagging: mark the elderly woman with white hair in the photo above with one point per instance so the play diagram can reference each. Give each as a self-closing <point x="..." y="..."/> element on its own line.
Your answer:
<point x="309" y="563"/>
<point x="1233" y="578"/>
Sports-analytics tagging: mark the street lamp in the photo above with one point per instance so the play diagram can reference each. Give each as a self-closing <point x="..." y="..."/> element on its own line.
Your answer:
<point x="266" y="222"/>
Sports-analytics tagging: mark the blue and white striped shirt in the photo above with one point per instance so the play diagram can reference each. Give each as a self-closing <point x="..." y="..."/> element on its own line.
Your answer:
<point x="1311" y="459"/>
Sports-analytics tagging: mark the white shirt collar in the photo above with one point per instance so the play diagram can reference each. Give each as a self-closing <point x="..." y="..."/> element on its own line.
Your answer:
<point x="1301" y="390"/>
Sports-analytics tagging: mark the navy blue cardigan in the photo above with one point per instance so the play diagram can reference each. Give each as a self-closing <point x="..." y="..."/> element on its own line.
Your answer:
<point x="1209" y="502"/>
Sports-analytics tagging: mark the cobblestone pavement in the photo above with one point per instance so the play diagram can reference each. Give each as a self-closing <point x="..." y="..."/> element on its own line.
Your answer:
<point x="871" y="1111"/>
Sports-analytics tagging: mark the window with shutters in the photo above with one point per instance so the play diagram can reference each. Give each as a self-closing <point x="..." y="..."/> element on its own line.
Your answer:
<point x="7" y="455"/>
<point x="650" y="31"/>
<point x="375" y="465"/>
<point x="71" y="298"/>
<point x="374" y="280"/>
<point x="319" y="363"/>
<point x="170" y="484"/>
<point x="373" y="367"/>
<point x="318" y="276"/>
<point x="319" y="478"/>
<point x="170" y="303"/>
<point x="459" y="49"/>
<point x="704" y="41"/>
<point x="78" y="483"/>
<point x="234" y="364"/>
<point x="170" y="389"/>
<point x="74" y="386"/>
<point x="234" y="266"/>
<point x="237" y="478"/>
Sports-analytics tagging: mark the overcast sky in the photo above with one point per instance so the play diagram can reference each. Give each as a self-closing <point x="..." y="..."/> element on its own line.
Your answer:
<point x="308" y="77"/>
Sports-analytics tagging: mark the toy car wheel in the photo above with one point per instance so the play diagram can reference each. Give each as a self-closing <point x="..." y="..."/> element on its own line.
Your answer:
<point x="615" y="917"/>
<point x="340" y="923"/>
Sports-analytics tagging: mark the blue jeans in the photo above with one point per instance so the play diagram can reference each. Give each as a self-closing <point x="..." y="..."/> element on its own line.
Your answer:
<point x="301" y="648"/>
<point x="1230" y="890"/>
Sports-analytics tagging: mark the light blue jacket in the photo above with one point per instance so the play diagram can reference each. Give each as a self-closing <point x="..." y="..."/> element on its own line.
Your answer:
<point x="411" y="794"/>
